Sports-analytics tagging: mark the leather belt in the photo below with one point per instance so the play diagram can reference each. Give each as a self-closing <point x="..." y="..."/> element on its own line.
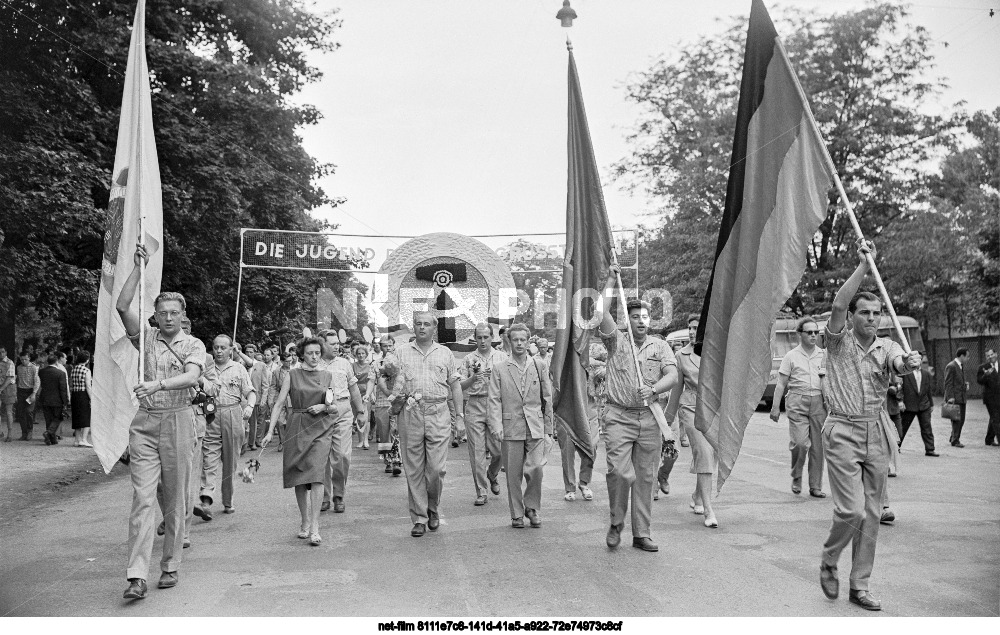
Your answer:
<point x="855" y="416"/>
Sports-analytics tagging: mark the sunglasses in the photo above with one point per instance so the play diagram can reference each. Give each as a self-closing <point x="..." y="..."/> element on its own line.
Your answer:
<point x="810" y="332"/>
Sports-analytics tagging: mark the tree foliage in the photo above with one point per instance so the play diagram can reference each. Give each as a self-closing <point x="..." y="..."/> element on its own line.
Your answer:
<point x="864" y="74"/>
<point x="230" y="154"/>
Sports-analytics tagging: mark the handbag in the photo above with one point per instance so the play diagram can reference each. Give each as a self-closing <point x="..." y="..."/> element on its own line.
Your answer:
<point x="951" y="411"/>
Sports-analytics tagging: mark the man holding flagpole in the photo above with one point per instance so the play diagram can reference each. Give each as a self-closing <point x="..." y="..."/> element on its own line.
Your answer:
<point x="632" y="434"/>
<point x="162" y="434"/>
<point x="858" y="436"/>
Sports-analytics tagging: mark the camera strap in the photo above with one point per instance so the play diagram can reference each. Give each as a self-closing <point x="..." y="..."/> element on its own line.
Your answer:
<point x="170" y="348"/>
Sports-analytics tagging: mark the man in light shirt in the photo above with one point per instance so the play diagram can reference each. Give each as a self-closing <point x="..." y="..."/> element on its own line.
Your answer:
<point x="477" y="369"/>
<point x="345" y="392"/>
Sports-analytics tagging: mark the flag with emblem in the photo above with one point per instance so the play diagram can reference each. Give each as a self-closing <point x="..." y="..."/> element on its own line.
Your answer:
<point x="135" y="197"/>
<point x="779" y="178"/>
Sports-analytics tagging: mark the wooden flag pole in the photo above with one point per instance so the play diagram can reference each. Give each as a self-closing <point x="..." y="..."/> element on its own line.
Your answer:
<point x="814" y="129"/>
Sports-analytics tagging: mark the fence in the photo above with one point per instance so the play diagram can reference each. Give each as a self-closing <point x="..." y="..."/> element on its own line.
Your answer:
<point x="942" y="351"/>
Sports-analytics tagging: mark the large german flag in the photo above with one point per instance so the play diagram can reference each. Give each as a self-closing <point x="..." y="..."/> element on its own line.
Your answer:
<point x="779" y="177"/>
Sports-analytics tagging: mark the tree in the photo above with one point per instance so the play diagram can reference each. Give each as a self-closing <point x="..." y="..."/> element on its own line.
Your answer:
<point x="863" y="72"/>
<point x="222" y="72"/>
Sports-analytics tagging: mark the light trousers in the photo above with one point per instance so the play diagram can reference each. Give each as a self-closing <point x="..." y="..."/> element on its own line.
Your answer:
<point x="806" y="415"/>
<point x="568" y="450"/>
<point x="523" y="462"/>
<point x="633" y="441"/>
<point x="224" y="438"/>
<point x="479" y="441"/>
<point x="857" y="460"/>
<point x="424" y="433"/>
<point x="160" y="445"/>
<point x="339" y="464"/>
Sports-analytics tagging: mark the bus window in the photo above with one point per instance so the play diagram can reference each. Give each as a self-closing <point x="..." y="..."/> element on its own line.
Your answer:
<point x="782" y="342"/>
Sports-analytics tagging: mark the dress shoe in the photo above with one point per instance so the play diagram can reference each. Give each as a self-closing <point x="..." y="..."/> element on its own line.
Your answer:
<point x="817" y="493"/>
<point x="957" y="444"/>
<point x="203" y="511"/>
<point x="614" y="537"/>
<point x="517" y="523"/>
<point x="887" y="517"/>
<point x="991" y="443"/>
<point x="161" y="528"/>
<point x="325" y="507"/>
<point x="168" y="579"/>
<point x="454" y="444"/>
<point x="864" y="599"/>
<point x="828" y="581"/>
<point x="931" y="453"/>
<point x="396" y="470"/>
<point x="588" y="494"/>
<point x="136" y="589"/>
<point x="796" y="486"/>
<point x="480" y="500"/>
<point x="433" y="522"/>
<point x="45" y="437"/>
<point x="418" y="530"/>
<point x="231" y="509"/>
<point x="338" y="505"/>
<point x="645" y="544"/>
<point x="187" y="543"/>
<point x="533" y="518"/>
<point x="685" y="443"/>
<point x="495" y="487"/>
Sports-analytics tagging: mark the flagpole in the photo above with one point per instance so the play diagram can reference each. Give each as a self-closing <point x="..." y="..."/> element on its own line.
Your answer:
<point x="814" y="128"/>
<point x="137" y="184"/>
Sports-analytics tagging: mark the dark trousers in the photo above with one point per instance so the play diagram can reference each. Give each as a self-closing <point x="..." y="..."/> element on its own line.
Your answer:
<point x="926" y="433"/>
<point x="993" y="427"/>
<point x="53" y="418"/>
<point x="25" y="412"/>
<point x="956" y="426"/>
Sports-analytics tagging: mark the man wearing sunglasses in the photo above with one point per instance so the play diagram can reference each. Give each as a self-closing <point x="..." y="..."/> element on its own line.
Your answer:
<point x="801" y="372"/>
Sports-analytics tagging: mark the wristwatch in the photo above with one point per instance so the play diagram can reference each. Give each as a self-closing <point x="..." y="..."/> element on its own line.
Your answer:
<point x="163" y="385"/>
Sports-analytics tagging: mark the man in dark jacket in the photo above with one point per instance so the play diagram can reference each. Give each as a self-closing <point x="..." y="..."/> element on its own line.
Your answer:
<point x="989" y="377"/>
<point x="53" y="398"/>
<point x="917" y="402"/>
<point x="955" y="389"/>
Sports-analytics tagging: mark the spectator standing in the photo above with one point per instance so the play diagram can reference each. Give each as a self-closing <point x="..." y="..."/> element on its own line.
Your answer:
<point x="8" y="393"/>
<point x="28" y="385"/>
<point x="988" y="376"/>
<point x="918" y="403"/>
<point x="53" y="398"/>
<point x="80" y="386"/>
<point x="955" y="389"/>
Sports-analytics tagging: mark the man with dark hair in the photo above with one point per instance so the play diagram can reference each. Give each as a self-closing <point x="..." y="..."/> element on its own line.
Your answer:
<point x="989" y="377"/>
<point x="918" y="403"/>
<point x="633" y="439"/>
<point x="53" y="398"/>
<point x="28" y="386"/>
<point x="347" y="398"/>
<point x="955" y="389"/>
<point x="519" y="409"/>
<point x="858" y="437"/>
<point x="802" y="370"/>
<point x="162" y="435"/>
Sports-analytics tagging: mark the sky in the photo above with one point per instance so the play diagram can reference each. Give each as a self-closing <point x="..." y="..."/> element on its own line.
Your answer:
<point x="451" y="115"/>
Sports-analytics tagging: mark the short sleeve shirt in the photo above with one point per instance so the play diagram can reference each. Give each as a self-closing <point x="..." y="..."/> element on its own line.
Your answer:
<point x="78" y="378"/>
<point x="162" y="364"/>
<point x="429" y="374"/>
<point x="343" y="376"/>
<point x="858" y="379"/>
<point x="804" y="371"/>
<point x="479" y="387"/>
<point x="655" y="359"/>
<point x="7" y="372"/>
<point x="233" y="382"/>
<point x="27" y="376"/>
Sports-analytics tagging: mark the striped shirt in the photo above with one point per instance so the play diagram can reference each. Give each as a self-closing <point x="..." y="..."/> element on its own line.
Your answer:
<point x="655" y="359"/>
<point x="857" y="379"/>
<point x="27" y="376"/>
<point x="78" y="378"/>
<point x="429" y="374"/>
<point x="480" y="387"/>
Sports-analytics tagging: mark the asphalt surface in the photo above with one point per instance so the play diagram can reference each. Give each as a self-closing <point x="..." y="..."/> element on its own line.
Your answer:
<point x="64" y="525"/>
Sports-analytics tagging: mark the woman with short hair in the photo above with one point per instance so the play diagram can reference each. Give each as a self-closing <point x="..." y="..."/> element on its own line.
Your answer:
<point x="81" y="385"/>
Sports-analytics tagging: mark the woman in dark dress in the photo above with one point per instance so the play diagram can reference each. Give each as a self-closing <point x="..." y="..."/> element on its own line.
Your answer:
<point x="308" y="434"/>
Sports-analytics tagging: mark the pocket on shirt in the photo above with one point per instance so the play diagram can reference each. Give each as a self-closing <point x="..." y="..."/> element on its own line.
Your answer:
<point x="651" y="369"/>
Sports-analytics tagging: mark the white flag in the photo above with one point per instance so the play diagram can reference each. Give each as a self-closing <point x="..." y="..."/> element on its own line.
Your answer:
<point x="135" y="198"/>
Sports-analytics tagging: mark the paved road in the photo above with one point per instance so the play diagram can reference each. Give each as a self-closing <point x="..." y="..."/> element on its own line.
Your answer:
<point x="63" y="545"/>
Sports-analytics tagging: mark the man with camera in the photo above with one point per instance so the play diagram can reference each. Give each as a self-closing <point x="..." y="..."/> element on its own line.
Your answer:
<point x="224" y="435"/>
<point x="162" y="434"/>
<point x="477" y="369"/>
